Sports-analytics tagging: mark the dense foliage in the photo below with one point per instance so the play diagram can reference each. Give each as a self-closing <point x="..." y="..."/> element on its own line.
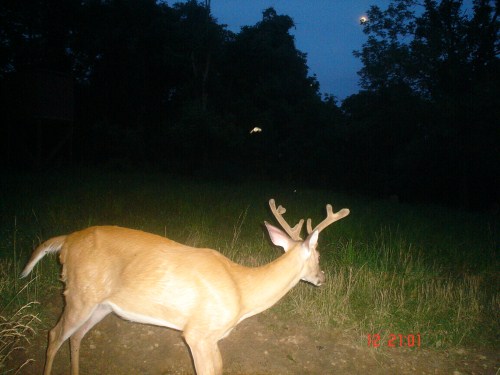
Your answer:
<point x="432" y="104"/>
<point x="167" y="85"/>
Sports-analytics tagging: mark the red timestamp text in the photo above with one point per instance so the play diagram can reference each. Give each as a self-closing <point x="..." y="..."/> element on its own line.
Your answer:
<point x="394" y="340"/>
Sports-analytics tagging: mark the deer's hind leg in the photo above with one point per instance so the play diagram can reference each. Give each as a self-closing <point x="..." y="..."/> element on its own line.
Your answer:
<point x="74" y="316"/>
<point x="97" y="315"/>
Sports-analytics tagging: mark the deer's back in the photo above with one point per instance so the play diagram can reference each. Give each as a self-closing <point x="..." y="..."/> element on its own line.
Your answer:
<point x="148" y="274"/>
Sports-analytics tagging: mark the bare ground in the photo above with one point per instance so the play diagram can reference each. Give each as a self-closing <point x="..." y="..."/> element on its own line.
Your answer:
<point x="261" y="345"/>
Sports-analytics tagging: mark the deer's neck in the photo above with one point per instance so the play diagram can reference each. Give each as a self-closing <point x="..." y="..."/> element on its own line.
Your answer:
<point x="263" y="286"/>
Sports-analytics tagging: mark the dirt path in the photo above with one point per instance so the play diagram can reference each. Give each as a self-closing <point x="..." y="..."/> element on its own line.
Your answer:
<point x="260" y="345"/>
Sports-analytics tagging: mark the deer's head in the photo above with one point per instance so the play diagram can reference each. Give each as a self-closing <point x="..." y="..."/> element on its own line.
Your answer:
<point x="290" y="239"/>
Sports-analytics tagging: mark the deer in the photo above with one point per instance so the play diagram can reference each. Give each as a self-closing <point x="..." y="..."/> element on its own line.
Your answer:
<point x="150" y="279"/>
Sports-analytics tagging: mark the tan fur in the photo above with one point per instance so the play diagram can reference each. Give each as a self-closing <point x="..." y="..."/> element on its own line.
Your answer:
<point x="150" y="279"/>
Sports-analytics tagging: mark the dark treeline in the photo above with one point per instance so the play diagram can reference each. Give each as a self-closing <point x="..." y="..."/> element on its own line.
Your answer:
<point x="168" y="86"/>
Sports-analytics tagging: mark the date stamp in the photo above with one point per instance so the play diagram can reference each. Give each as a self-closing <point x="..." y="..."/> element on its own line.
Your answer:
<point x="394" y="340"/>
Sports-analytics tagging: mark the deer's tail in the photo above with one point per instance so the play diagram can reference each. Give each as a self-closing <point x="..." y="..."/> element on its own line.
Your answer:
<point x="50" y="246"/>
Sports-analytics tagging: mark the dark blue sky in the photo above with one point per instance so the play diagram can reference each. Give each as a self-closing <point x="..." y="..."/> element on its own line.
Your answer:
<point x="327" y="30"/>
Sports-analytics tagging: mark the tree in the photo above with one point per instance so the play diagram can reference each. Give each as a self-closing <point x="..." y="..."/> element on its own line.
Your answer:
<point x="386" y="56"/>
<point x="449" y="58"/>
<point x="201" y="40"/>
<point x="168" y="84"/>
<point x="35" y="35"/>
<point x="267" y="83"/>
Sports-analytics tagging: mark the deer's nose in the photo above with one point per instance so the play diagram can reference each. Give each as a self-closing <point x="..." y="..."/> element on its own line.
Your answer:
<point x="321" y="278"/>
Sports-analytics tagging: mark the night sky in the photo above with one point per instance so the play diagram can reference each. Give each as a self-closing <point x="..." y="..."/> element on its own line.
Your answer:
<point x="328" y="31"/>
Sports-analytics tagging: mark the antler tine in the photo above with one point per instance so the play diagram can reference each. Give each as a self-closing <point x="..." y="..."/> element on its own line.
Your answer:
<point x="294" y="232"/>
<point x="330" y="219"/>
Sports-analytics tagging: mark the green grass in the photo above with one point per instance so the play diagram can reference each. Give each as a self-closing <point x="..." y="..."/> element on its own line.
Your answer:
<point x="391" y="268"/>
<point x="18" y="316"/>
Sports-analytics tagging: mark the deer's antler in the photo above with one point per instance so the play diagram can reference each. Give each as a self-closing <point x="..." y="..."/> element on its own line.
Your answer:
<point x="294" y="232"/>
<point x="330" y="219"/>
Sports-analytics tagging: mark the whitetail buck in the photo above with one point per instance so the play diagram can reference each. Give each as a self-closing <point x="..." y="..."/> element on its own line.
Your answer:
<point x="150" y="279"/>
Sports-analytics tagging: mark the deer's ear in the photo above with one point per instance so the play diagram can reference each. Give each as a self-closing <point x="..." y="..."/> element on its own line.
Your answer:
<point x="279" y="238"/>
<point x="312" y="240"/>
<point x="310" y="244"/>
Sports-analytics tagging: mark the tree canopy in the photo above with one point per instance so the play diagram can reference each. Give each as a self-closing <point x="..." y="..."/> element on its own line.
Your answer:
<point x="168" y="85"/>
<point x="431" y="75"/>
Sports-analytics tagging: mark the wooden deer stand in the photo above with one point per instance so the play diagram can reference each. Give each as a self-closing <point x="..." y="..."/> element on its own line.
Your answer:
<point x="41" y="112"/>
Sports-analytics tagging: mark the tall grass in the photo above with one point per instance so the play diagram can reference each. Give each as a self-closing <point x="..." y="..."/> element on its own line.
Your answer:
<point x="18" y="318"/>
<point x="391" y="268"/>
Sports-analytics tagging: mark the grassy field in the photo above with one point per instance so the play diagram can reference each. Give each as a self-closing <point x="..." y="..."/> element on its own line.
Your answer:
<point x="391" y="268"/>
